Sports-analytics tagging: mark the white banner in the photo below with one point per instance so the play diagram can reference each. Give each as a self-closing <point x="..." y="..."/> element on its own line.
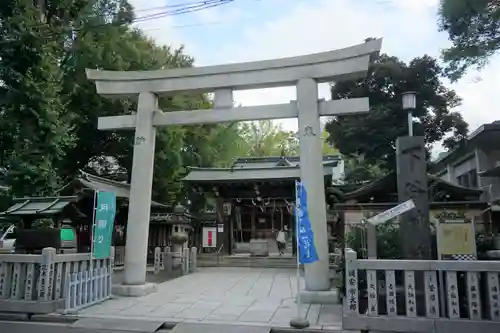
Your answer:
<point x="392" y="213"/>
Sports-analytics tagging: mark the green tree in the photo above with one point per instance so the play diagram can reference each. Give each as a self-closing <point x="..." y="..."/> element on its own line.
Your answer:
<point x="103" y="38"/>
<point x="357" y="170"/>
<point x="266" y="138"/>
<point x="373" y="135"/>
<point x="35" y="126"/>
<point x="473" y="27"/>
<point x="47" y="98"/>
<point x="328" y="149"/>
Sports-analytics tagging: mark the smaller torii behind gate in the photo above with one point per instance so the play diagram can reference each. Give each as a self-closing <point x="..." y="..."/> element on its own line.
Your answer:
<point x="304" y="72"/>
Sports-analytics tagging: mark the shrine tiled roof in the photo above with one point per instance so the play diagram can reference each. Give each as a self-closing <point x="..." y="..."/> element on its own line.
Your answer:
<point x="258" y="168"/>
<point x="88" y="181"/>
<point x="41" y="206"/>
<point x="388" y="183"/>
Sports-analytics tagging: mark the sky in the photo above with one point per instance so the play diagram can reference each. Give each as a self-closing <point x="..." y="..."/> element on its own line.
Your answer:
<point x="247" y="30"/>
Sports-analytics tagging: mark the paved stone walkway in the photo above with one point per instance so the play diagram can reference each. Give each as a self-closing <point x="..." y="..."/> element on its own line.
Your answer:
<point x="245" y="296"/>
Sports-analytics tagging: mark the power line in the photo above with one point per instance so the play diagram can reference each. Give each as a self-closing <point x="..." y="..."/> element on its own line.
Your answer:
<point x="171" y="6"/>
<point x="184" y="8"/>
<point x="204" y="24"/>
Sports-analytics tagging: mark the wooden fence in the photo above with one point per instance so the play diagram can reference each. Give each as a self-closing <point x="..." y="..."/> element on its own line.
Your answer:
<point x="421" y="296"/>
<point x="41" y="283"/>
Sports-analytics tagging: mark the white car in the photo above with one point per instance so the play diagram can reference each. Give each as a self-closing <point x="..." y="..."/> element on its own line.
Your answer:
<point x="7" y="242"/>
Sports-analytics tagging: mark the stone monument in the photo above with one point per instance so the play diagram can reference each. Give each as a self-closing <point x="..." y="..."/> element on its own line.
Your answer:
<point x="412" y="184"/>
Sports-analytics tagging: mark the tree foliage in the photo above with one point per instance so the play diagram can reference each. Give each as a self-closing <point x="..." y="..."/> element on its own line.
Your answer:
<point x="358" y="171"/>
<point x="372" y="136"/>
<point x="269" y="138"/>
<point x="266" y="138"/>
<point x="473" y="27"/>
<point x="49" y="110"/>
<point x="35" y="128"/>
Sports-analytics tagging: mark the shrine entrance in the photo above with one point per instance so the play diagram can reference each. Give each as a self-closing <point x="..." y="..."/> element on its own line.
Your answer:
<point x="247" y="209"/>
<point x="304" y="72"/>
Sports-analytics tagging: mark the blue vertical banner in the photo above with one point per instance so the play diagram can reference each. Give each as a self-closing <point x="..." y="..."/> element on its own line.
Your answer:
<point x="305" y="236"/>
<point x="104" y="222"/>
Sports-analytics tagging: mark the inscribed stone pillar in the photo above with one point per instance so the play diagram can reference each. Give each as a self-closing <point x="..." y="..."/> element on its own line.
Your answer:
<point x="311" y="174"/>
<point x="140" y="191"/>
<point x="412" y="184"/>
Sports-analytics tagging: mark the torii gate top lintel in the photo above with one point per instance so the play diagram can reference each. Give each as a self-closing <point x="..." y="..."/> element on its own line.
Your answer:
<point x="329" y="66"/>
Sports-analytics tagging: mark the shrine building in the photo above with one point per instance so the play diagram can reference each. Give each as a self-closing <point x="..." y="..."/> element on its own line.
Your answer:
<point x="252" y="199"/>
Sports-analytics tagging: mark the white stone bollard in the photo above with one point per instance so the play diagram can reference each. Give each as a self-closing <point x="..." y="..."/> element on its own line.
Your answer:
<point x="162" y="260"/>
<point x="112" y="259"/>
<point x="157" y="260"/>
<point x="193" y="259"/>
<point x="168" y="261"/>
<point x="185" y="257"/>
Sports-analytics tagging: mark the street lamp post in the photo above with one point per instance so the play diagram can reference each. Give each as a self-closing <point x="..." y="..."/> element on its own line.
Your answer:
<point x="410" y="104"/>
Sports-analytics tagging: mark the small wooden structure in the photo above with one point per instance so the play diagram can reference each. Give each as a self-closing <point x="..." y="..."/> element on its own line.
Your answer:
<point x="75" y="207"/>
<point x="381" y="194"/>
<point x="28" y="210"/>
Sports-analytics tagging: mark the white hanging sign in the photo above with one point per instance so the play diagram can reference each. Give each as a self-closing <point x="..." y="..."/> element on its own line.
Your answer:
<point x="392" y="213"/>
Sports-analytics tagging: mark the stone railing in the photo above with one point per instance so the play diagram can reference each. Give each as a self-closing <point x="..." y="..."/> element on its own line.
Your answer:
<point x="119" y="256"/>
<point x="40" y="283"/>
<point x="421" y="295"/>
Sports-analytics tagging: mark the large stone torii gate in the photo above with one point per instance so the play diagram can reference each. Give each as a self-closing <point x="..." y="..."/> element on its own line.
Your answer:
<point x="305" y="72"/>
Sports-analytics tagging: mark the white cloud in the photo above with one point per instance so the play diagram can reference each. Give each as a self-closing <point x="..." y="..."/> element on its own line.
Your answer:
<point x="323" y="26"/>
<point x="479" y="92"/>
<point x="416" y="5"/>
<point x="408" y="27"/>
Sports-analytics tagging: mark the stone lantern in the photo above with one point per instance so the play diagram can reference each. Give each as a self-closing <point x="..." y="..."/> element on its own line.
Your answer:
<point x="179" y="235"/>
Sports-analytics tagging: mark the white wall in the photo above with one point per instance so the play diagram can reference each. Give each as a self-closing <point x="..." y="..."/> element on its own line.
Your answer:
<point x="490" y="185"/>
<point x="338" y="172"/>
<point x="464" y="166"/>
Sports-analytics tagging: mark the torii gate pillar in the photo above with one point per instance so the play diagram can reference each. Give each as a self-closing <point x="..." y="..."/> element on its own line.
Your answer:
<point x="305" y="72"/>
<point x="140" y="191"/>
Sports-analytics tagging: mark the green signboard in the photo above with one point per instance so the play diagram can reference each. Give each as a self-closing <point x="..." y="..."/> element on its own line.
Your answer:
<point x="105" y="212"/>
<point x="67" y="235"/>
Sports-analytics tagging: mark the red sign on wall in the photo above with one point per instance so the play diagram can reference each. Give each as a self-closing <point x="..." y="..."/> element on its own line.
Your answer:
<point x="209" y="238"/>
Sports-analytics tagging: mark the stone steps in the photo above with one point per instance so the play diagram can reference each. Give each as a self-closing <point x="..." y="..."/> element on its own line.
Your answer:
<point x="246" y="261"/>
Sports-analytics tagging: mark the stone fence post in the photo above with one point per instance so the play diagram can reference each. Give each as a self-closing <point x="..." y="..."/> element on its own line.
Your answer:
<point x="46" y="278"/>
<point x="185" y="264"/>
<point x="168" y="259"/>
<point x="112" y="259"/>
<point x="193" y="259"/>
<point x="157" y="260"/>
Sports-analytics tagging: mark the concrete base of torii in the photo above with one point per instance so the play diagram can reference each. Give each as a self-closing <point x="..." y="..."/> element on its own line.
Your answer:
<point x="133" y="290"/>
<point x="320" y="297"/>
